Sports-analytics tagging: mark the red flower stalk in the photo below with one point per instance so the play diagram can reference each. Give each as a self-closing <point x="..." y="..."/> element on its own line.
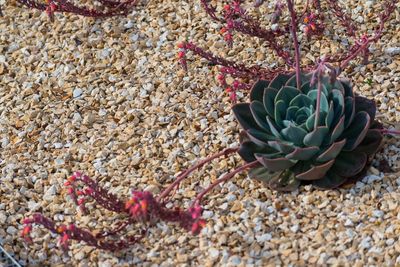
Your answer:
<point x="235" y="19"/>
<point x="142" y="208"/>
<point x="107" y="8"/>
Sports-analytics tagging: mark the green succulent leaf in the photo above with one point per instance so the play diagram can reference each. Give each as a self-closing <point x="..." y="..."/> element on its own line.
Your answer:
<point x="280" y="113"/>
<point x="301" y="101"/>
<point x="257" y="91"/>
<point x="337" y="85"/>
<point x="371" y="142"/>
<point x="286" y="181"/>
<point x="338" y="103"/>
<point x="324" y="101"/>
<point x="277" y="164"/>
<point x="269" y="100"/>
<point x="310" y="122"/>
<point x="261" y="174"/>
<point x="316" y="137"/>
<point x="259" y="137"/>
<point x="330" y="116"/>
<point x="294" y="134"/>
<point x="305" y="88"/>
<point x="365" y="104"/>
<point x="349" y="111"/>
<point x="316" y="172"/>
<point x="337" y="131"/>
<point x="248" y="147"/>
<point x="280" y="80"/>
<point x="302" y="116"/>
<point x="348" y="164"/>
<point x="247" y="150"/>
<point x="273" y="128"/>
<point x="304" y="78"/>
<point x="259" y="114"/>
<point x="331" y="152"/>
<point x="244" y="116"/>
<point x="291" y="113"/>
<point x="329" y="181"/>
<point x="282" y="146"/>
<point x="357" y="130"/>
<point x="280" y="134"/>
<point x="348" y="88"/>
<point x="286" y="94"/>
<point x="303" y="153"/>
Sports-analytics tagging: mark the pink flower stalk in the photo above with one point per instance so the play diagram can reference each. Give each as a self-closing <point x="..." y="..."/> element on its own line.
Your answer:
<point x="142" y="207"/>
<point x="108" y="8"/>
<point x="235" y="19"/>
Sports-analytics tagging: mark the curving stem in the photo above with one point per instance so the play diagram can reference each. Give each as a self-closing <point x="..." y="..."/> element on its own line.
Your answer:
<point x="200" y="164"/>
<point x="225" y="178"/>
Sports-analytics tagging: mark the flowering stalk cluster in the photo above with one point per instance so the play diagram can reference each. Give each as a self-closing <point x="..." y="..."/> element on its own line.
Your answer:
<point x="107" y="8"/>
<point x="142" y="208"/>
<point x="313" y="21"/>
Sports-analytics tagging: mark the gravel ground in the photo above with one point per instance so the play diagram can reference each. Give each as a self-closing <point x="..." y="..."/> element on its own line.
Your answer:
<point x="108" y="98"/>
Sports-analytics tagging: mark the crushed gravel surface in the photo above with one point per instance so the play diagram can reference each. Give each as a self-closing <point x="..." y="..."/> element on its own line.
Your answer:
<point x="108" y="97"/>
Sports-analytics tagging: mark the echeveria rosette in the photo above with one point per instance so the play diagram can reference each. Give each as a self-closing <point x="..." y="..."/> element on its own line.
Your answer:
<point x="280" y="133"/>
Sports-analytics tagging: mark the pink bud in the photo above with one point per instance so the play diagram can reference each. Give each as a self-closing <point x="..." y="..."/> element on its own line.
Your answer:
<point x="27" y="221"/>
<point x="195" y="228"/>
<point x="89" y="191"/>
<point x="181" y="54"/>
<point x="27" y="229"/>
<point x="70" y="190"/>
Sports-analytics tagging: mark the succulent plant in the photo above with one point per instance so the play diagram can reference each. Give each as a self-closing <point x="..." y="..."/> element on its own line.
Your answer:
<point x="280" y="132"/>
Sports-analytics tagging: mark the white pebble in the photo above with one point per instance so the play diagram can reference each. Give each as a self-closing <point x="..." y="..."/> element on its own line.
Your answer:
<point x="378" y="213"/>
<point x="295" y="228"/>
<point x="207" y="214"/>
<point x="12" y="230"/>
<point x="263" y="238"/>
<point x="348" y="223"/>
<point x="128" y="25"/>
<point x="58" y="145"/>
<point x="213" y="252"/>
<point x="50" y="193"/>
<point x="390" y="241"/>
<point x="77" y="92"/>
<point x="235" y="260"/>
<point x="365" y="243"/>
<point x="392" y="51"/>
